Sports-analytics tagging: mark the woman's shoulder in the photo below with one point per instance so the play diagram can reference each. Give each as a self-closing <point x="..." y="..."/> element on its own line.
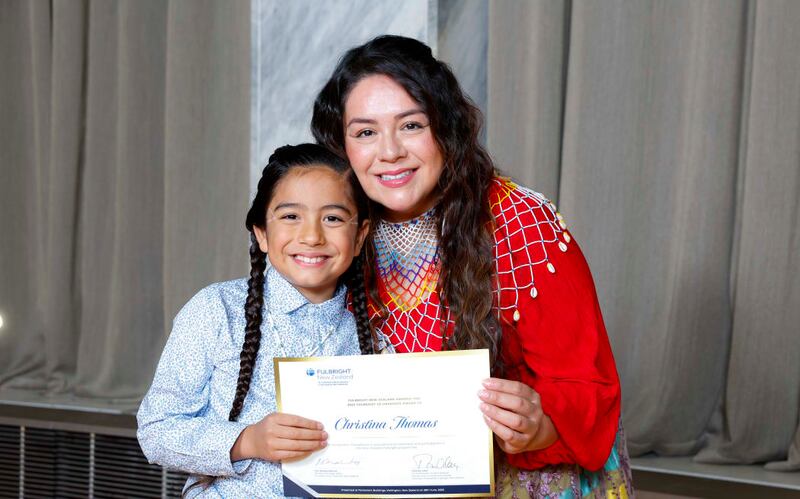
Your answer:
<point x="505" y="193"/>
<point x="523" y="215"/>
<point x="529" y="233"/>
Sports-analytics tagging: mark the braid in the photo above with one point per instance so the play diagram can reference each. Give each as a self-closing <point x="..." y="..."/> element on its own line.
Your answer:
<point x="358" y="298"/>
<point x="252" y="341"/>
<point x="252" y="336"/>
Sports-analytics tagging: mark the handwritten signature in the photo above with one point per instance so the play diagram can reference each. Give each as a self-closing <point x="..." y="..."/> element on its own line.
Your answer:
<point x="341" y="461"/>
<point x="429" y="461"/>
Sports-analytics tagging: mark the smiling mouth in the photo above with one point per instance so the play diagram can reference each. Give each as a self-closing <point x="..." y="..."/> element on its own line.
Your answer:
<point x="311" y="260"/>
<point x="397" y="176"/>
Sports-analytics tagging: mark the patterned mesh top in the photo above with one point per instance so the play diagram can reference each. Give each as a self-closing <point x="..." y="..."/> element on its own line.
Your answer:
<point x="554" y="339"/>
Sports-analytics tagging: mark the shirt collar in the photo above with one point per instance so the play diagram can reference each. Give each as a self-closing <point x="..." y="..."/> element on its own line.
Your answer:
<point x="284" y="298"/>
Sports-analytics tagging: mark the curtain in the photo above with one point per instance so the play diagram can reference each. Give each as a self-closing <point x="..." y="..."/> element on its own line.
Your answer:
<point x="667" y="131"/>
<point x="124" y="150"/>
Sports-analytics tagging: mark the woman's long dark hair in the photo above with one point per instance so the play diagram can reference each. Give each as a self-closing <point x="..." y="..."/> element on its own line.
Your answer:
<point x="281" y="162"/>
<point x="465" y="220"/>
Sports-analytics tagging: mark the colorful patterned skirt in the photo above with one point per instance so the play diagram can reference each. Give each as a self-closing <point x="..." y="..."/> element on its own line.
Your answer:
<point x="569" y="481"/>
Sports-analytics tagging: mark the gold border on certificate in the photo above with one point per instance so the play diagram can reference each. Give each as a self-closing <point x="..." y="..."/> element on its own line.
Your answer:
<point x="276" y="361"/>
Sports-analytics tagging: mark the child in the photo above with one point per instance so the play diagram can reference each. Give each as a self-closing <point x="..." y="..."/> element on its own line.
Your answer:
<point x="309" y="217"/>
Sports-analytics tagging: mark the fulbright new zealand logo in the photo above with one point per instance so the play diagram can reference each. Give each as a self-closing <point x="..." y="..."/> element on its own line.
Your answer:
<point x="330" y="377"/>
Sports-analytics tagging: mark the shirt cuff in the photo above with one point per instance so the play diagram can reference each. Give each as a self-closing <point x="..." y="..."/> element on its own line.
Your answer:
<point x="240" y="467"/>
<point x="221" y="437"/>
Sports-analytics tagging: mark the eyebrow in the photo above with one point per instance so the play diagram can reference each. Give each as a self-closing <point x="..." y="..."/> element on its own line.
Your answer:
<point x="284" y="206"/>
<point x="397" y="117"/>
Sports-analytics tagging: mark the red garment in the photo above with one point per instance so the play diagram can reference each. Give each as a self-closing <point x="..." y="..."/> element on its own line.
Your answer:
<point x="554" y="339"/>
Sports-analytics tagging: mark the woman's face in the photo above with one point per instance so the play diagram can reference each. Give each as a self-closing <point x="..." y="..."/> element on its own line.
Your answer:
<point x="391" y="147"/>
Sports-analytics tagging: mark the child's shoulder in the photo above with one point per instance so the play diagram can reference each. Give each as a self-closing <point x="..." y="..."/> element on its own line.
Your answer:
<point x="234" y="289"/>
<point x="217" y="297"/>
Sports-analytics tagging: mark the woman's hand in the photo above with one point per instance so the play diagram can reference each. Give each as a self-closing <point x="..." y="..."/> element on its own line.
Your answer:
<point x="513" y="412"/>
<point x="279" y="437"/>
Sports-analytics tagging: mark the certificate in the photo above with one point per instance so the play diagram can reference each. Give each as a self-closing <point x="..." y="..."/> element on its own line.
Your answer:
<point x="404" y="425"/>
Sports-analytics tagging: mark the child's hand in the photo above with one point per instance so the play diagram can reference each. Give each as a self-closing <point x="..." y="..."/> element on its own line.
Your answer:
<point x="279" y="437"/>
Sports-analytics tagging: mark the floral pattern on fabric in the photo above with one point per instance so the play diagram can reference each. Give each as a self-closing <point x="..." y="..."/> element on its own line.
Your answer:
<point x="569" y="481"/>
<point x="183" y="419"/>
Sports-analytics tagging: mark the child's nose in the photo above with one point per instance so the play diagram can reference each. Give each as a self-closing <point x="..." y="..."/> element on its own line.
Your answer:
<point x="311" y="233"/>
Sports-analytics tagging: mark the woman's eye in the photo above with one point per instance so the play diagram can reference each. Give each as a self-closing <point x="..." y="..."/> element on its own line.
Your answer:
<point x="289" y="217"/>
<point x="365" y="133"/>
<point x="413" y="125"/>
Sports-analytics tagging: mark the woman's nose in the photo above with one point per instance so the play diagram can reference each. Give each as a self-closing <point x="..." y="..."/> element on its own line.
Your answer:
<point x="391" y="148"/>
<point x="311" y="233"/>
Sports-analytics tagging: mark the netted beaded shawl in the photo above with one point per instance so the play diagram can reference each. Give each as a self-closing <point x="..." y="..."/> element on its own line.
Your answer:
<point x="526" y="228"/>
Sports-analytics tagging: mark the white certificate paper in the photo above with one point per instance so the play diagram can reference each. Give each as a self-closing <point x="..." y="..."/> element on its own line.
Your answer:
<point x="404" y="425"/>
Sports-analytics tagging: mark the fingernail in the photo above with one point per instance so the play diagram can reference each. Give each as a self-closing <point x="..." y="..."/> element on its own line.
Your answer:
<point x="488" y="383"/>
<point x="324" y="435"/>
<point x="484" y="407"/>
<point x="483" y="394"/>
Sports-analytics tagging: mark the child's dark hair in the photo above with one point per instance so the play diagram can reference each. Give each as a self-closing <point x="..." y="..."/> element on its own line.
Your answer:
<point x="281" y="162"/>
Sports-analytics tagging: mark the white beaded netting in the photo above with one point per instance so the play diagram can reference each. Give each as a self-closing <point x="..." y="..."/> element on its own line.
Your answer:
<point x="526" y="226"/>
<point x="408" y="267"/>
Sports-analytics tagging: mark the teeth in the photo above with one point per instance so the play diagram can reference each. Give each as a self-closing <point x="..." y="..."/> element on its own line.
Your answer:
<point x="306" y="259"/>
<point x="395" y="177"/>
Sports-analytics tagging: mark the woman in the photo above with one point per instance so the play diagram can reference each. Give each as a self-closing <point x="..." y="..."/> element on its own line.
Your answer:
<point x="466" y="259"/>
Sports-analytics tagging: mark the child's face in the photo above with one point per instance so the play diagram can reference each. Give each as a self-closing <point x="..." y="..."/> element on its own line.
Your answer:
<point x="312" y="231"/>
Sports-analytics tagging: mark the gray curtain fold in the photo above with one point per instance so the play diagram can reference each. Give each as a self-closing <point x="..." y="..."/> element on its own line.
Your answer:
<point x="129" y="160"/>
<point x="674" y="157"/>
<point x="762" y="395"/>
<point x="526" y="66"/>
<point x="24" y="57"/>
<point x="207" y="146"/>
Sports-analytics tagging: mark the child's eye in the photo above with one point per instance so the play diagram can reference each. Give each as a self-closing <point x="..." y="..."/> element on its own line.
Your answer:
<point x="333" y="220"/>
<point x="289" y="217"/>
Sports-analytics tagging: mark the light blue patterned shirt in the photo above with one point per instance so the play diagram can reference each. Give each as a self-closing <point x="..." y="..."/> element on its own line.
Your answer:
<point x="183" y="419"/>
